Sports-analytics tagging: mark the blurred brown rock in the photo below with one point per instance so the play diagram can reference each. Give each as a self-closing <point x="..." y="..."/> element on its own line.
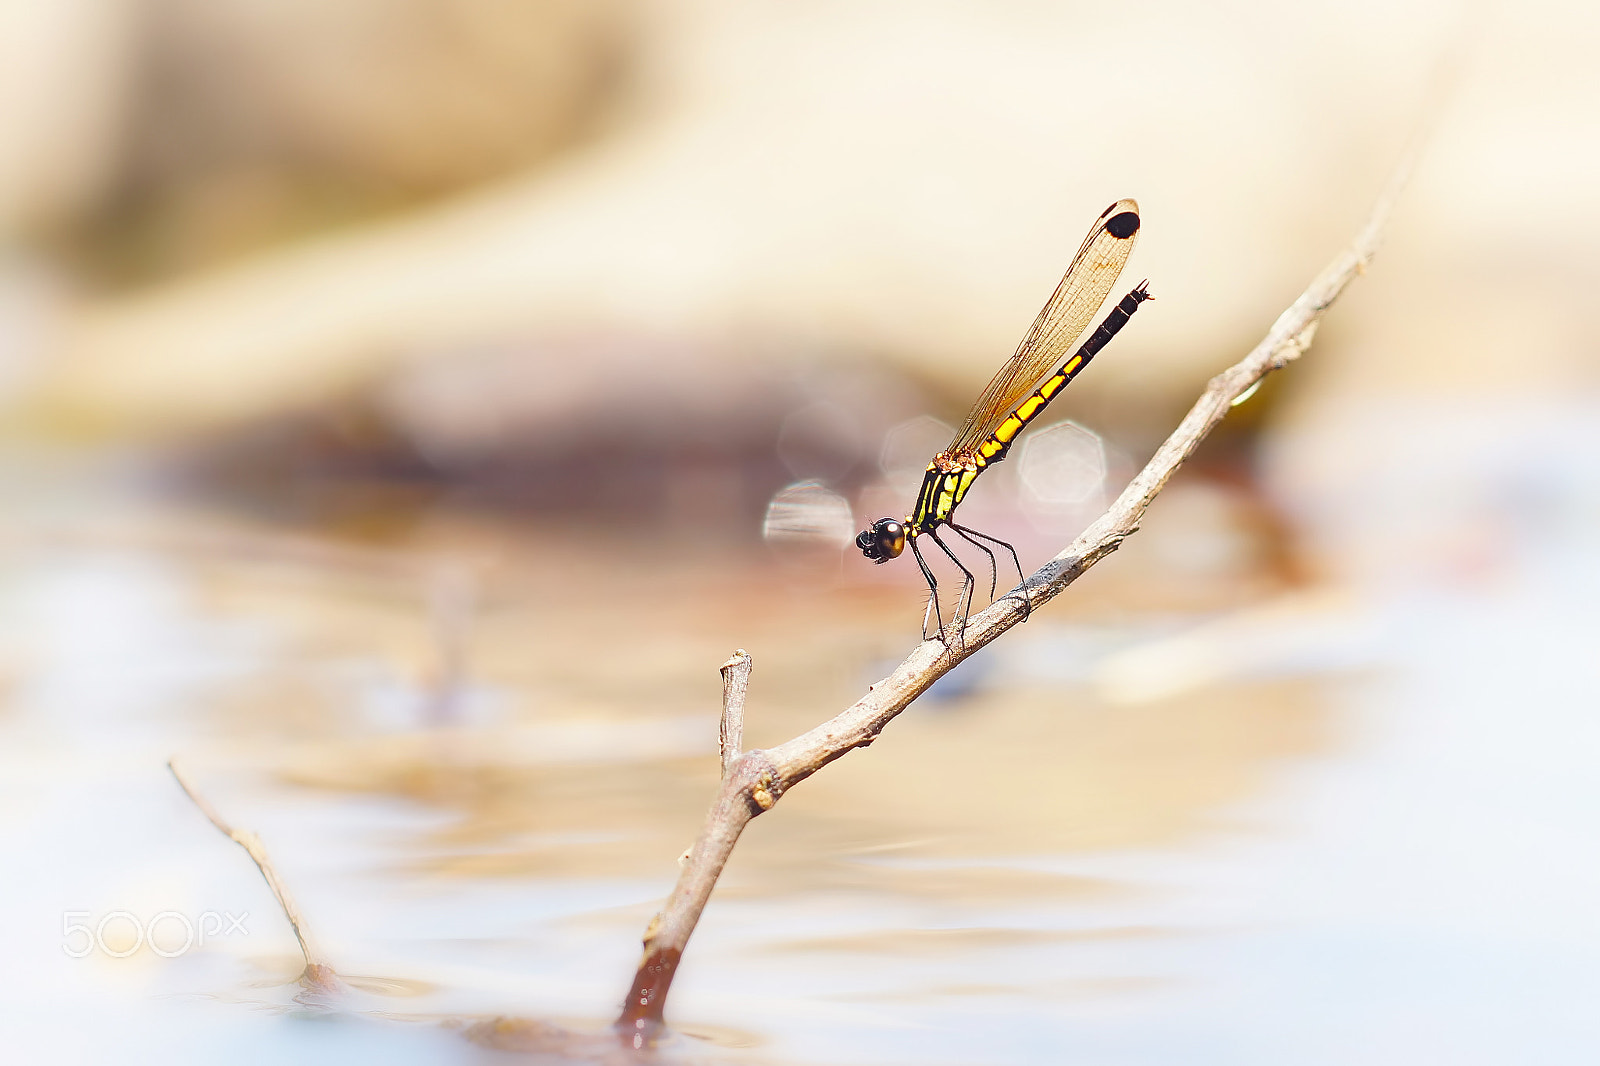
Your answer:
<point x="426" y="95"/>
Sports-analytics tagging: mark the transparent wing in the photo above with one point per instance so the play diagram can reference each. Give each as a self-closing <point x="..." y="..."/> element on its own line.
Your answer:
<point x="1072" y="307"/>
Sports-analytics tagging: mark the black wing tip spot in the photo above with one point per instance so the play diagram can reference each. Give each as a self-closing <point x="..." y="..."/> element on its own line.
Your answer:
<point x="1124" y="225"/>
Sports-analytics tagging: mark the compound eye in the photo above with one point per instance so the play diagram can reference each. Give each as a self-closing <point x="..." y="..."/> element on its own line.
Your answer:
<point x="885" y="540"/>
<point x="891" y="537"/>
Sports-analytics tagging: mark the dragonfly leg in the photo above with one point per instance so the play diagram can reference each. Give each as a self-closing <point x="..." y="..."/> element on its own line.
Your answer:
<point x="1021" y="577"/>
<point x="994" y="568"/>
<point x="933" y="591"/>
<point x="964" y="600"/>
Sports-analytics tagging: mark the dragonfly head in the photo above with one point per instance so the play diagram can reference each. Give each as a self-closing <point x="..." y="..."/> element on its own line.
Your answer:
<point x="884" y="541"/>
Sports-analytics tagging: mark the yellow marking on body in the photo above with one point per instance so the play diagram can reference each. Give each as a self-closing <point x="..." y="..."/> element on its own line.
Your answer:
<point x="1071" y="367"/>
<point x="965" y="483"/>
<point x="990" y="448"/>
<point x="1030" y="407"/>
<point x="1008" y="429"/>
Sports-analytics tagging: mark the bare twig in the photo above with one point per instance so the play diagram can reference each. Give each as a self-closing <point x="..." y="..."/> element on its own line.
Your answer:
<point x="757" y="779"/>
<point x="735" y="683"/>
<point x="317" y="976"/>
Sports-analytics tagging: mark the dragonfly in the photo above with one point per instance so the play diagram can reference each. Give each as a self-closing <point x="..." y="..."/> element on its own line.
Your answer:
<point x="1014" y="397"/>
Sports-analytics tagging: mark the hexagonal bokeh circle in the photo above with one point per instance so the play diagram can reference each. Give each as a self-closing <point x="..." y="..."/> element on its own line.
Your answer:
<point x="1062" y="464"/>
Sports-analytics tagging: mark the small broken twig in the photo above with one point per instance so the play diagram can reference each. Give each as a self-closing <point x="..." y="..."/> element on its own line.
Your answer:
<point x="753" y="781"/>
<point x="317" y="976"/>
<point x="735" y="683"/>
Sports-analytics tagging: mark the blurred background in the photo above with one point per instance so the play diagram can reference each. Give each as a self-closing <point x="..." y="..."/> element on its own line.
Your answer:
<point x="406" y="406"/>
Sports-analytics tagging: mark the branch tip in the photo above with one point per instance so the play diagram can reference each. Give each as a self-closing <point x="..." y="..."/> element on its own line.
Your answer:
<point x="735" y="683"/>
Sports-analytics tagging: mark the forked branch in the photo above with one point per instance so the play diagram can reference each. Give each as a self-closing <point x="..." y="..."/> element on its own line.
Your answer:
<point x="754" y="781"/>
